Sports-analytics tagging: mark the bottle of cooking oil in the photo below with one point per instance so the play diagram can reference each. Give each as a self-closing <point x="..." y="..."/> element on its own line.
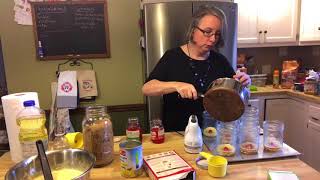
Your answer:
<point x="31" y="121"/>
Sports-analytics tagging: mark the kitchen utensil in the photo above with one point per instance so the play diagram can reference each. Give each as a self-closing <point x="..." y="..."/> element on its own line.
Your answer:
<point x="225" y="99"/>
<point x="44" y="161"/>
<point x="75" y="139"/>
<point x="193" y="136"/>
<point x="76" y="159"/>
<point x="217" y="165"/>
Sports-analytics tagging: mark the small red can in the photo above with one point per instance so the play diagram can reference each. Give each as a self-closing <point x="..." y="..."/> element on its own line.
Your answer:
<point x="157" y="131"/>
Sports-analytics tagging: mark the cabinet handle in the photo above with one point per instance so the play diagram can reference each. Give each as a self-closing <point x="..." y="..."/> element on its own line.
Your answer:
<point x="265" y="32"/>
<point x="318" y="28"/>
<point x="315" y="119"/>
<point x="260" y="32"/>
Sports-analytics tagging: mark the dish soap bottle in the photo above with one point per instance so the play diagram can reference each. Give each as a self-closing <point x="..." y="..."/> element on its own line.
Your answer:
<point x="31" y="121"/>
<point x="276" y="78"/>
<point x="193" y="136"/>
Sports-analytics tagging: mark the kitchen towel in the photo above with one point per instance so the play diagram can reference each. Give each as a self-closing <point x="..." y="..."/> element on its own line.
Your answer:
<point x="87" y="84"/>
<point x="12" y="105"/>
<point x="67" y="92"/>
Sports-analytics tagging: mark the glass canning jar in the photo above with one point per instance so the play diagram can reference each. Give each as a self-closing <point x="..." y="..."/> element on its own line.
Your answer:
<point x="226" y="138"/>
<point x="98" y="134"/>
<point x="249" y="131"/>
<point x="209" y="125"/>
<point x="273" y="135"/>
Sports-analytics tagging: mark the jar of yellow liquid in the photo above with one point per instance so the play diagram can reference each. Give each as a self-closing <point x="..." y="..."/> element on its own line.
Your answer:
<point x="31" y="121"/>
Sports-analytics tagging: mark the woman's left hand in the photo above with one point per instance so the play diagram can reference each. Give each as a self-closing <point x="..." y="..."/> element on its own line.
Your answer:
<point x="243" y="78"/>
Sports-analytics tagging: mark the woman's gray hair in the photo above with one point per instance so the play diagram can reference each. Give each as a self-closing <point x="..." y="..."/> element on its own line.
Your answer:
<point x="205" y="10"/>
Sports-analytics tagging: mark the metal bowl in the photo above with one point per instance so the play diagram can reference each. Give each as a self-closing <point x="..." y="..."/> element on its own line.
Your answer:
<point x="59" y="159"/>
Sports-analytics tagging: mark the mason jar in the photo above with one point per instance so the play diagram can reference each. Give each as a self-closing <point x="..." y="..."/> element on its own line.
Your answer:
<point x="249" y="131"/>
<point x="273" y="135"/>
<point x="98" y="134"/>
<point x="226" y="138"/>
<point x="208" y="125"/>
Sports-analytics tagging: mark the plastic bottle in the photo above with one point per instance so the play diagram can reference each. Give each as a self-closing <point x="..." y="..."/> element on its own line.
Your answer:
<point x="276" y="78"/>
<point x="40" y="50"/>
<point x="31" y="121"/>
<point x="134" y="131"/>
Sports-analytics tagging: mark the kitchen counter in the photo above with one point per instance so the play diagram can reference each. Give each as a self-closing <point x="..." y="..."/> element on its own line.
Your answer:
<point x="174" y="141"/>
<point x="270" y="91"/>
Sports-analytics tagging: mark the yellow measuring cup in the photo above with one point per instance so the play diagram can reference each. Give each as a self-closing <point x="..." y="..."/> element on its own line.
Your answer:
<point x="75" y="140"/>
<point x="217" y="165"/>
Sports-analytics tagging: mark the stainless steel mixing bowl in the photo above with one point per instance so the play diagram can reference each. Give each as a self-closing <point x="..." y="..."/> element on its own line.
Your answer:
<point x="70" y="158"/>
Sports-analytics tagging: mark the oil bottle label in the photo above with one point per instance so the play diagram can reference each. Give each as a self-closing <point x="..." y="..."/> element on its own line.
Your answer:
<point x="29" y="148"/>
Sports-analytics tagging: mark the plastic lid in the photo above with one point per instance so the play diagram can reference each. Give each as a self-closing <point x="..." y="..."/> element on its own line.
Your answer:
<point x="29" y="103"/>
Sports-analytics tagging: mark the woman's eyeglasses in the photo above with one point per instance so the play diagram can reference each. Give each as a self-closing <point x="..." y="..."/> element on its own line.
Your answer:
<point x="209" y="33"/>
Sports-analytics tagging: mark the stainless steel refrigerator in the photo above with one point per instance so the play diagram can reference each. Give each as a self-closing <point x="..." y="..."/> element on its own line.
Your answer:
<point x="164" y="27"/>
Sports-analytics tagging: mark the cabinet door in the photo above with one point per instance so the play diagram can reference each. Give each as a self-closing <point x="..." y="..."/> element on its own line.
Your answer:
<point x="310" y="20"/>
<point x="296" y="126"/>
<point x="314" y="144"/>
<point x="267" y="21"/>
<point x="279" y="20"/>
<point x="248" y="31"/>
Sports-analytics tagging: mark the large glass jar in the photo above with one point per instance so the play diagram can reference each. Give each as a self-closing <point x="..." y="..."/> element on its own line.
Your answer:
<point x="249" y="131"/>
<point x="226" y="138"/>
<point x="98" y="134"/>
<point x="273" y="135"/>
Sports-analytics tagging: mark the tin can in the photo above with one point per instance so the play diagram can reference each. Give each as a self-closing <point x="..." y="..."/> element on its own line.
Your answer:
<point x="131" y="158"/>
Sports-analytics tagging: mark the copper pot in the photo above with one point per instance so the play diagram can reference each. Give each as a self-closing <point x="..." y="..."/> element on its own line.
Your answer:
<point x="225" y="99"/>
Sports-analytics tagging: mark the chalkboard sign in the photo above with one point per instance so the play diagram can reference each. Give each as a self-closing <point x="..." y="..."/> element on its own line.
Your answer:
<point x="65" y="29"/>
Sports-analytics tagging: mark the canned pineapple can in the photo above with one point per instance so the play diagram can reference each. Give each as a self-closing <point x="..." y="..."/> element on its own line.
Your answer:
<point x="131" y="159"/>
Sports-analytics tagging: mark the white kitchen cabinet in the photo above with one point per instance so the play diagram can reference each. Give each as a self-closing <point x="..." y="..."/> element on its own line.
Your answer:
<point x="267" y="22"/>
<point x="310" y="21"/>
<point x="292" y="113"/>
<point x="313" y="140"/>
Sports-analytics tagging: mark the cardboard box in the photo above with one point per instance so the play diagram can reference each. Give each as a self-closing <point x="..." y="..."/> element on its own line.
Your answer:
<point x="168" y="166"/>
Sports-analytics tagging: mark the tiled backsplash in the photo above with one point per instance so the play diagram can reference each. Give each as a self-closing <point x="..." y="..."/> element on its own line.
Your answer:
<point x="307" y="56"/>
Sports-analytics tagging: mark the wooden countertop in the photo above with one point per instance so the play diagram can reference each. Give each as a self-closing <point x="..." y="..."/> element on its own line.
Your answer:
<point x="270" y="91"/>
<point x="174" y="141"/>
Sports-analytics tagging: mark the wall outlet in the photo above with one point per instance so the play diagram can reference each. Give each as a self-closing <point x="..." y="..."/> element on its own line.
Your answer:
<point x="266" y="69"/>
<point x="283" y="51"/>
<point x="315" y="50"/>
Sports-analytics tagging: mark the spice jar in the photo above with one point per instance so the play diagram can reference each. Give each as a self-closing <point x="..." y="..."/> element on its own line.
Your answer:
<point x="134" y="131"/>
<point x="273" y="135"/>
<point x="249" y="131"/>
<point x="311" y="87"/>
<point x="98" y="134"/>
<point x="157" y="131"/>
<point x="226" y="138"/>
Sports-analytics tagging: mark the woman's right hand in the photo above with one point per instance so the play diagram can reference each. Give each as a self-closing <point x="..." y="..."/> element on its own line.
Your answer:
<point x="186" y="90"/>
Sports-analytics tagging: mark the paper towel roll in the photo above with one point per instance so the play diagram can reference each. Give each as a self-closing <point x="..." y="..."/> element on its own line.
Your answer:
<point x="12" y="105"/>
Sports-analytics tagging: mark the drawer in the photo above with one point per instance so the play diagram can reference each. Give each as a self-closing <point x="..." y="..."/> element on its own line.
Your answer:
<point x="314" y="113"/>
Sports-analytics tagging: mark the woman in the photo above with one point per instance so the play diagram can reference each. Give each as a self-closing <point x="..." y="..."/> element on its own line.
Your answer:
<point x="185" y="71"/>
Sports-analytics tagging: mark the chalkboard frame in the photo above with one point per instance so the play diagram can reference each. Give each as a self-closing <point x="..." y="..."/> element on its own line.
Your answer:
<point x="67" y="56"/>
